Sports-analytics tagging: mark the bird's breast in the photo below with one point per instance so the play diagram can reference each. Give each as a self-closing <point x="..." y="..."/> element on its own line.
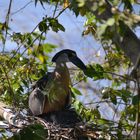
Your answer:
<point x="56" y="92"/>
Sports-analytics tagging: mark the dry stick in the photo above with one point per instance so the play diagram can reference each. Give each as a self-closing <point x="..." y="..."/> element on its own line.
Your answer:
<point x="6" y="24"/>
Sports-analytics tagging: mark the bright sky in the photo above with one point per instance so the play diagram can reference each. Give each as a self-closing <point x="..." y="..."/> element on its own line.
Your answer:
<point x="27" y="18"/>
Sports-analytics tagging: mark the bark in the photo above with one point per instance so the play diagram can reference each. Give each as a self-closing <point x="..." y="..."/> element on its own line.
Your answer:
<point x="13" y="118"/>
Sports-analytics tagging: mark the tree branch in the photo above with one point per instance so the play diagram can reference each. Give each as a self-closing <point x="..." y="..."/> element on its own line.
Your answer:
<point x="130" y="42"/>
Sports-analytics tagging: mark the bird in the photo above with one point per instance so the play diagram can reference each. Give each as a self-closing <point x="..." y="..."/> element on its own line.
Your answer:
<point x="52" y="92"/>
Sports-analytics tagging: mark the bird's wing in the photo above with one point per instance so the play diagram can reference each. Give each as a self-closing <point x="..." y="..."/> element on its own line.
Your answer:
<point x="37" y="98"/>
<point x="41" y="83"/>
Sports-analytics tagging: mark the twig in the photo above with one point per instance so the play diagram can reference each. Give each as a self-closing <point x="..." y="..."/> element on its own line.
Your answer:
<point x="78" y="82"/>
<point x="105" y="101"/>
<point x="131" y="131"/>
<point x="62" y="11"/>
<point x="25" y="50"/>
<point x="124" y="77"/>
<point x="8" y="81"/>
<point x="23" y="43"/>
<point x="115" y="111"/>
<point x="21" y="8"/>
<point x="6" y="24"/>
<point x="55" y="9"/>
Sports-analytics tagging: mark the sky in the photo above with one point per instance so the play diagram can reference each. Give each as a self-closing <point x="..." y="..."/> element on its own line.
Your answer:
<point x="25" y="20"/>
<point x="25" y="16"/>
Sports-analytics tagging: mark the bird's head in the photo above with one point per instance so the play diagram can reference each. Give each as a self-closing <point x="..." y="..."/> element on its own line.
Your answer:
<point x="68" y="55"/>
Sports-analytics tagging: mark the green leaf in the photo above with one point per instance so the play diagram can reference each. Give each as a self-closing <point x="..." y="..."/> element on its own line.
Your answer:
<point x="43" y="26"/>
<point x="110" y="21"/>
<point x="76" y="91"/>
<point x="32" y="132"/>
<point x="61" y="27"/>
<point x="101" y="30"/>
<point x="135" y="100"/>
<point x="90" y="71"/>
<point x="55" y="25"/>
<point x="104" y="121"/>
<point x="81" y="3"/>
<point x="48" y="47"/>
<point x="113" y="99"/>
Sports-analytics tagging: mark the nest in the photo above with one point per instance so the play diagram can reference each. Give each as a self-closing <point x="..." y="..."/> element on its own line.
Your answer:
<point x="60" y="125"/>
<point x="80" y="131"/>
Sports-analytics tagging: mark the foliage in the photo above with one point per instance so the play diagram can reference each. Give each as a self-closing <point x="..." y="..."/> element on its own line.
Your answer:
<point x="20" y="67"/>
<point x="33" y="132"/>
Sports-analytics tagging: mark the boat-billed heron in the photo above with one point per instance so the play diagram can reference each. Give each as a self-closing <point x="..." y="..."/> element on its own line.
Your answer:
<point x="52" y="92"/>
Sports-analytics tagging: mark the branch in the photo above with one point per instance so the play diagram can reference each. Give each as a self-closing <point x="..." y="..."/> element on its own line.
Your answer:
<point x="8" y="81"/>
<point x="6" y="24"/>
<point x="8" y="115"/>
<point x="130" y="42"/>
<point x="22" y="8"/>
<point x="55" y="9"/>
<point x="62" y="11"/>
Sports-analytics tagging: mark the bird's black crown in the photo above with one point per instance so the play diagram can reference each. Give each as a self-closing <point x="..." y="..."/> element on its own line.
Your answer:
<point x="66" y="51"/>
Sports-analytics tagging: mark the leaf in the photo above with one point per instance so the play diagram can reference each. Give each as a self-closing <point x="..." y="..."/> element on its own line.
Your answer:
<point x="43" y="26"/>
<point x="47" y="48"/>
<point x="76" y="91"/>
<point x="104" y="121"/>
<point x="90" y="71"/>
<point x="61" y="27"/>
<point x="101" y="30"/>
<point x="96" y="113"/>
<point x="66" y="3"/>
<point x="81" y="3"/>
<point x="110" y="21"/>
<point x="41" y="58"/>
<point x="32" y="132"/>
<point x="135" y="100"/>
<point x="113" y="99"/>
<point x="55" y="25"/>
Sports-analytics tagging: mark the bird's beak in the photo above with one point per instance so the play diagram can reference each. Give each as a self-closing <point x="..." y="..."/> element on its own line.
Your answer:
<point x="77" y="61"/>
